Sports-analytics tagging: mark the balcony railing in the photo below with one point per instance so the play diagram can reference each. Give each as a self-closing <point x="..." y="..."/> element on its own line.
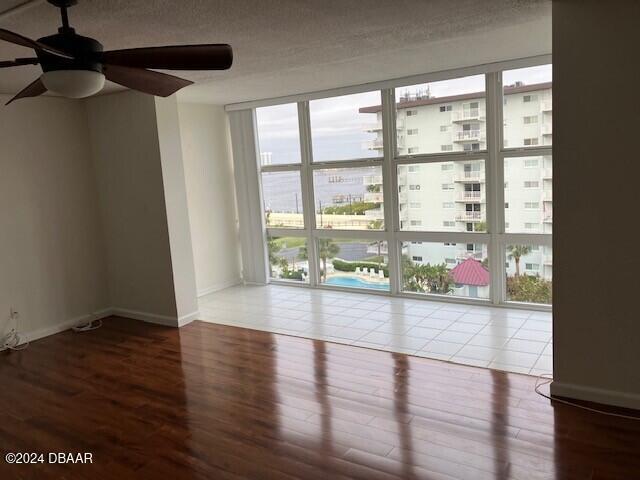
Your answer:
<point x="465" y="254"/>
<point x="474" y="175"/>
<point x="546" y="129"/>
<point x="548" y="259"/>
<point x="464" y="115"/>
<point x="546" y="106"/>
<point x="375" y="144"/>
<point x="547" y="196"/>
<point x="469" y="135"/>
<point x="373" y="197"/>
<point x="469" y="216"/>
<point x="372" y="180"/>
<point x="548" y="218"/>
<point x="470" y="197"/>
<point x="547" y="174"/>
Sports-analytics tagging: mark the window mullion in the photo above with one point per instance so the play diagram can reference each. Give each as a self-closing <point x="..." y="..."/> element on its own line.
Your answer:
<point x="495" y="186"/>
<point x="306" y="176"/>
<point x="390" y="189"/>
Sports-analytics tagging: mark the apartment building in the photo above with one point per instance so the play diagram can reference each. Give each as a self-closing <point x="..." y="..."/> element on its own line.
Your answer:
<point x="451" y="196"/>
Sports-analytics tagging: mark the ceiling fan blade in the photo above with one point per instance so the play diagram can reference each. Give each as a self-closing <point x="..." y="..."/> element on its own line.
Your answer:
<point x="18" y="39"/>
<point x="147" y="81"/>
<point x="32" y="90"/>
<point x="179" y="57"/>
<point x="18" y="62"/>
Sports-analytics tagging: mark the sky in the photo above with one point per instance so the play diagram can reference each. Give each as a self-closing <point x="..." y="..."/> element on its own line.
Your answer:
<point x="338" y="129"/>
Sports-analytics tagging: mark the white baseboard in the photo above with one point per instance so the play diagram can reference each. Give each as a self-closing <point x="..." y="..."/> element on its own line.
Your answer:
<point x="62" y="326"/>
<point x="597" y="395"/>
<point x="186" y="319"/>
<point x="219" y="286"/>
<point x="165" y="320"/>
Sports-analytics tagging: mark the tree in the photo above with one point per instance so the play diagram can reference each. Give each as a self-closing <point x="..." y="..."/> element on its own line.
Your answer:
<point x="377" y="225"/>
<point x="480" y="227"/>
<point x="426" y="278"/>
<point x="529" y="288"/>
<point x="273" y="247"/>
<point x="326" y="249"/>
<point x="516" y="252"/>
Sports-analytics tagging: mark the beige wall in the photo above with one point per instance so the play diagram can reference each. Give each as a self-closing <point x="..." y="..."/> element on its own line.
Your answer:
<point x="125" y="147"/>
<point x="52" y="267"/>
<point x="596" y="170"/>
<point x="211" y="195"/>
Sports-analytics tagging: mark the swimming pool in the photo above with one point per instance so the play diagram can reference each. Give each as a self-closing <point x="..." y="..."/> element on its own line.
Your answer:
<point x="356" y="283"/>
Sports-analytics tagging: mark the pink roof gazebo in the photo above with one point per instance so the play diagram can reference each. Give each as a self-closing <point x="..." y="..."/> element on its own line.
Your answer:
<point x="470" y="272"/>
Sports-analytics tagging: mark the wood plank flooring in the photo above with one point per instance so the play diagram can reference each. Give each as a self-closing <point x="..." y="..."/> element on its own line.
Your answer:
<point x="216" y="402"/>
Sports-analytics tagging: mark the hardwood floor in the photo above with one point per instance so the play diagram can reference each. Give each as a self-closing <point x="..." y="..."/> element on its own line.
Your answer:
<point x="217" y="402"/>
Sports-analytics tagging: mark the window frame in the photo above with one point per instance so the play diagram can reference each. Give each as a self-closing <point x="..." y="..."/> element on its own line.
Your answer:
<point x="494" y="155"/>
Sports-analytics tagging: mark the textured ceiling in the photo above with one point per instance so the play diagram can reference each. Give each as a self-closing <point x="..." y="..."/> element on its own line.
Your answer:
<point x="292" y="46"/>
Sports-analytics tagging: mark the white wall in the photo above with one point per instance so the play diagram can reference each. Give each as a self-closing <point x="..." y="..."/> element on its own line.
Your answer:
<point x="126" y="154"/>
<point x="209" y="178"/>
<point x="596" y="332"/>
<point x="52" y="267"/>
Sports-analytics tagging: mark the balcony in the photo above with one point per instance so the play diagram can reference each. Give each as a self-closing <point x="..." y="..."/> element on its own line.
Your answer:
<point x="466" y="115"/>
<point x="376" y="144"/>
<point x="373" y="127"/>
<point x="547" y="174"/>
<point x="548" y="217"/>
<point x="548" y="260"/>
<point x="474" y="197"/>
<point x="546" y="106"/>
<point x="466" y="254"/>
<point x="372" y="180"/>
<point x="547" y="196"/>
<point x="472" y="176"/>
<point x="373" y="197"/>
<point x="469" y="136"/>
<point x="469" y="216"/>
<point x="402" y="197"/>
<point x="546" y="129"/>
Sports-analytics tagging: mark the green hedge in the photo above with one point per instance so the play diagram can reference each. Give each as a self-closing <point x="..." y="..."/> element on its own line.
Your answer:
<point x="292" y="275"/>
<point x="344" y="266"/>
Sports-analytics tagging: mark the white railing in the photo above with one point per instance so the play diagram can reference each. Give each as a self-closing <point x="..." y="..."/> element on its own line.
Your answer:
<point x="372" y="180"/>
<point x="546" y="106"/>
<point x="470" y="176"/>
<point x="373" y="197"/>
<point x="462" y="115"/>
<point x="467" y="254"/>
<point x="546" y="129"/>
<point x="470" y="196"/>
<point x="547" y="196"/>
<point x="468" y="216"/>
<point x="547" y="174"/>
<point x="469" y="135"/>
<point x="376" y="144"/>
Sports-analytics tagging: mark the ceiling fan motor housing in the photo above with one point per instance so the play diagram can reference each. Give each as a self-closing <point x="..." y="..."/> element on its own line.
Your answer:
<point x="85" y="51"/>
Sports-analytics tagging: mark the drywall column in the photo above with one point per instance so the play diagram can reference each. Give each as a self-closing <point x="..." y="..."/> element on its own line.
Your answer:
<point x="248" y="193"/>
<point x="208" y="171"/>
<point x="596" y="73"/>
<point x="126" y="156"/>
<point x="175" y="197"/>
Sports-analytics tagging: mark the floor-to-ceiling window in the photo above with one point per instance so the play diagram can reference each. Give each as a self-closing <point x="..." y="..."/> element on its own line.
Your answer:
<point x="439" y="188"/>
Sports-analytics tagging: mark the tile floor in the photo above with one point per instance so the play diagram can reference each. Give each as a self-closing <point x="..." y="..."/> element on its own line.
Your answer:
<point x="505" y="339"/>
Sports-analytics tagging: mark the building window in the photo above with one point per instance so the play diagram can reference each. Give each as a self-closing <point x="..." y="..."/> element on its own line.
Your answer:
<point x="531" y="163"/>
<point x="416" y="223"/>
<point x="414" y="187"/>
<point x="446" y="166"/>
<point x="532" y="266"/>
<point x="412" y="131"/>
<point x="411" y="150"/>
<point x="447" y="186"/>
<point x="448" y="205"/>
<point x="530" y="141"/>
<point x="446" y="108"/>
<point x="529" y="119"/>
<point x="531" y="205"/>
<point x="445" y="128"/>
<point x="531" y="184"/>
<point x="471" y="147"/>
<point x="412" y="113"/>
<point x="413" y="168"/>
<point x="446" y="148"/>
<point x="529" y="98"/>
<point x="448" y="223"/>
<point x="415" y="205"/>
<point x="416" y="258"/>
<point x="530" y="226"/>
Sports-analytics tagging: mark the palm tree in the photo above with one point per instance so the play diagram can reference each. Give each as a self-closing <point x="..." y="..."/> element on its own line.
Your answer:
<point x="326" y="249"/>
<point x="516" y="252"/>
<point x="377" y="225"/>
<point x="273" y="247"/>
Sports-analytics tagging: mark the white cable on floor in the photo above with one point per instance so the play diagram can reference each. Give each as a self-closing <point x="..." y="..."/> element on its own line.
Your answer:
<point x="549" y="379"/>
<point x="87" y="327"/>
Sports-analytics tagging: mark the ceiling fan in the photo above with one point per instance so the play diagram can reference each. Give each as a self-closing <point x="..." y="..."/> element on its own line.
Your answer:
<point x="75" y="66"/>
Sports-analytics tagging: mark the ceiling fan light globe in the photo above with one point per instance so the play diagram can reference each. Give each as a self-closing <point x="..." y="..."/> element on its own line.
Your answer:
<point x="73" y="83"/>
